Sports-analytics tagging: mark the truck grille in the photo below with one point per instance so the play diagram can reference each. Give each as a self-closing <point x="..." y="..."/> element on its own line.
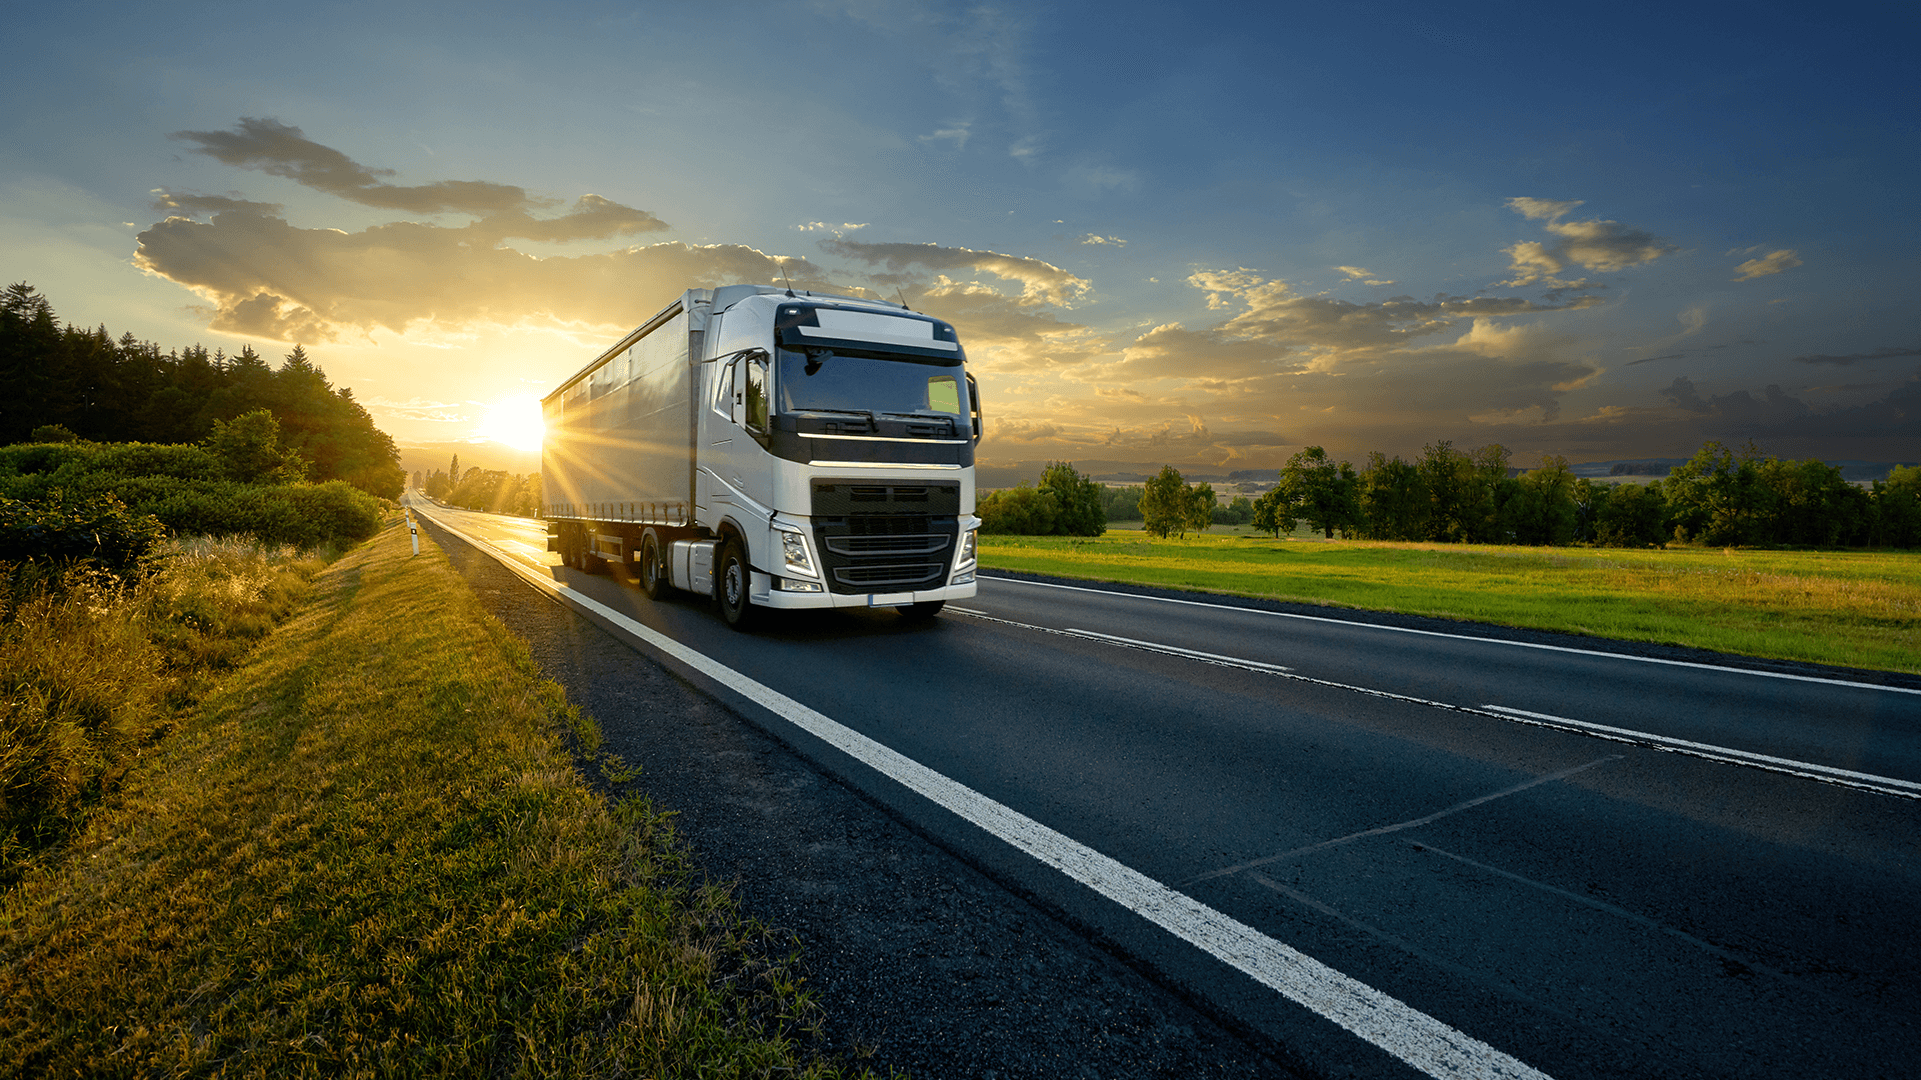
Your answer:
<point x="885" y="537"/>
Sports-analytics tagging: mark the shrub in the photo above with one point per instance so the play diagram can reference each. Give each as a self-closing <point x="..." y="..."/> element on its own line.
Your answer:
<point x="98" y="530"/>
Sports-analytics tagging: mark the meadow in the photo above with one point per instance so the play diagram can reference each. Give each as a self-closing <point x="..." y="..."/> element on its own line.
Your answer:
<point x="1852" y="608"/>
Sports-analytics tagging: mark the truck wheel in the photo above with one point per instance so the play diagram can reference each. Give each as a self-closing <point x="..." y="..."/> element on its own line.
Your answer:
<point x="569" y="547"/>
<point x="732" y="583"/>
<point x="922" y="611"/>
<point x="653" y="572"/>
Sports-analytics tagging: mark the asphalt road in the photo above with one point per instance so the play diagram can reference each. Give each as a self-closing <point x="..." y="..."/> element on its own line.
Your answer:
<point x="1270" y="838"/>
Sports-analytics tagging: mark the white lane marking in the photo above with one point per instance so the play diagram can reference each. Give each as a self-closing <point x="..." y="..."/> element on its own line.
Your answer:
<point x="1805" y="770"/>
<point x="1259" y="666"/>
<point x="1847" y="777"/>
<point x="1407" y="1033"/>
<point x="1176" y="650"/>
<point x="1470" y="637"/>
<point x="1400" y="826"/>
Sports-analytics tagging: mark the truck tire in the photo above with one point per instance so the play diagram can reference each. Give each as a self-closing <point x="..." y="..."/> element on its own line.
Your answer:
<point x="651" y="568"/>
<point x="922" y="611"/>
<point x="733" y="581"/>
<point x="590" y="562"/>
<point x="569" y="547"/>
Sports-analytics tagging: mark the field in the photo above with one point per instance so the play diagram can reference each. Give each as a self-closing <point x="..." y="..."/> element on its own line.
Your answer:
<point x="1853" y="608"/>
<point x="368" y="851"/>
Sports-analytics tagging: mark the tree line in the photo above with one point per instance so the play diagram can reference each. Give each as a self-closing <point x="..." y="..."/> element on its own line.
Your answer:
<point x="63" y="382"/>
<point x="1720" y="497"/>
<point x="495" y="491"/>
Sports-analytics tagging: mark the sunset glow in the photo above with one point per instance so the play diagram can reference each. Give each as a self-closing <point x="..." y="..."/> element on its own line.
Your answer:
<point x="514" y="422"/>
<point x="1163" y="240"/>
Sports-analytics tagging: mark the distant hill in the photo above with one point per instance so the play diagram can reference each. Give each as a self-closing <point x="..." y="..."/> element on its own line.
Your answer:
<point x="1655" y="468"/>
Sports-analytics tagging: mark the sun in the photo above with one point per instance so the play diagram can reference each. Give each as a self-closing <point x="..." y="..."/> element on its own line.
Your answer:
<point x="514" y="422"/>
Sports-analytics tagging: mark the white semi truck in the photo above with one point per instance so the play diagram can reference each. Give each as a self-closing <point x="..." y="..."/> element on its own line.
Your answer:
<point x="772" y="449"/>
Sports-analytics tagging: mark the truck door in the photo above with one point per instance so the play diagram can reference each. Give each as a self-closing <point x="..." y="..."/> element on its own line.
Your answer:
<point x="736" y="476"/>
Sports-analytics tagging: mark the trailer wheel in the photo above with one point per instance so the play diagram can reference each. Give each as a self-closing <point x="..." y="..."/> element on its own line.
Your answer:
<point x="922" y="611"/>
<point x="653" y="572"/>
<point x="731" y="587"/>
<point x="569" y="545"/>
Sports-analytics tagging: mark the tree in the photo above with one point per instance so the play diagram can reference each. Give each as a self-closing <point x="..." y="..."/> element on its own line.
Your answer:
<point x="1630" y="515"/>
<point x="1394" y="500"/>
<point x="1019" y="511"/>
<point x="1165" y="503"/>
<point x="1077" y="499"/>
<point x="1717" y="497"/>
<point x="1274" y="512"/>
<point x="1542" y="509"/>
<point x="1239" y="511"/>
<point x="1897" y="508"/>
<point x="1201" y="502"/>
<point x="1326" y="492"/>
<point x="249" y="450"/>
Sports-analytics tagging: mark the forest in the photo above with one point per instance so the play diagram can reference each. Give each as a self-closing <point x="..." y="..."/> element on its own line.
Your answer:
<point x="63" y="383"/>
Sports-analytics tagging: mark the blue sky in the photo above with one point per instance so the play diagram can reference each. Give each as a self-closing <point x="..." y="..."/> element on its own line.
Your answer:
<point x="1205" y="237"/>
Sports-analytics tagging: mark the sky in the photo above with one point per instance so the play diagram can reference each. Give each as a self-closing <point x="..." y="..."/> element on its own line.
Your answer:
<point x="1168" y="234"/>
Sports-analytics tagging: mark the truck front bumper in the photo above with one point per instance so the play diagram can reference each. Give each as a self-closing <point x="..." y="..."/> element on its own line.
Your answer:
<point x="767" y="596"/>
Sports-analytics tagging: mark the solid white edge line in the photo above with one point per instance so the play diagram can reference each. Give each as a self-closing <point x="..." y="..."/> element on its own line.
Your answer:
<point x="1176" y="650"/>
<point x="1425" y="1043"/>
<point x="1466" y="637"/>
<point x="1743" y="757"/>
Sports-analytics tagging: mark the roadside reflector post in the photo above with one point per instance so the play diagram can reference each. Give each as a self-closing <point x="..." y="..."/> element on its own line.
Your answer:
<point x="413" y="530"/>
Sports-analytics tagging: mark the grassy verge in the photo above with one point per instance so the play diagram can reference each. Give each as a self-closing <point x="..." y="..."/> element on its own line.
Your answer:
<point x="1856" y="608"/>
<point x="369" y="852"/>
<point x="96" y="668"/>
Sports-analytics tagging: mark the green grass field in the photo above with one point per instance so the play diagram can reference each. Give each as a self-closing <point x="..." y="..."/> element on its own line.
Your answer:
<point x="1854" y="608"/>
<point x="368" y="851"/>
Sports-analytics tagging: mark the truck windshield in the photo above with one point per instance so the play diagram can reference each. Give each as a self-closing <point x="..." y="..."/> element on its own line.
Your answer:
<point x="868" y="382"/>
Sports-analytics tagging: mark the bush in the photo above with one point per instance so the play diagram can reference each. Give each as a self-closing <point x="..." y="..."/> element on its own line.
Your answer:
<point x="1021" y="511"/>
<point x="99" y="531"/>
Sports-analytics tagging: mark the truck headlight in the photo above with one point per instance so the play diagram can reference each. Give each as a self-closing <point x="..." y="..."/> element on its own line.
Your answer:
<point x="793" y="549"/>
<point x="968" y="550"/>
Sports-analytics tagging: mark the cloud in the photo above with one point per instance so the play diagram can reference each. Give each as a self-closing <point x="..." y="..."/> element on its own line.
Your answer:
<point x="1776" y="414"/>
<point x="1542" y="209"/>
<point x="1005" y="334"/>
<point x="1604" y="246"/>
<point x="1772" y="263"/>
<point x="1090" y="238"/>
<point x="197" y="205"/>
<point x="822" y="226"/>
<point x="271" y="279"/>
<point x="955" y="133"/>
<point x="1041" y="282"/>
<point x="1275" y="314"/>
<point x="1355" y="273"/>
<point x="1684" y="396"/>
<point x="1852" y="358"/>
<point x="1652" y="359"/>
<point x="278" y="149"/>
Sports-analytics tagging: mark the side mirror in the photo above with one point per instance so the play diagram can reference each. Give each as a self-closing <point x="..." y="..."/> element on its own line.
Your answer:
<point x="974" y="408"/>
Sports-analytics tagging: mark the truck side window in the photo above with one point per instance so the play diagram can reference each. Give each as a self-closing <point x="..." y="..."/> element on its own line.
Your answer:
<point x="755" y="416"/>
<point x="724" y="391"/>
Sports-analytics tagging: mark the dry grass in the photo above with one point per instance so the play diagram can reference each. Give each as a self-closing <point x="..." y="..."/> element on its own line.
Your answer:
<point x="369" y="853"/>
